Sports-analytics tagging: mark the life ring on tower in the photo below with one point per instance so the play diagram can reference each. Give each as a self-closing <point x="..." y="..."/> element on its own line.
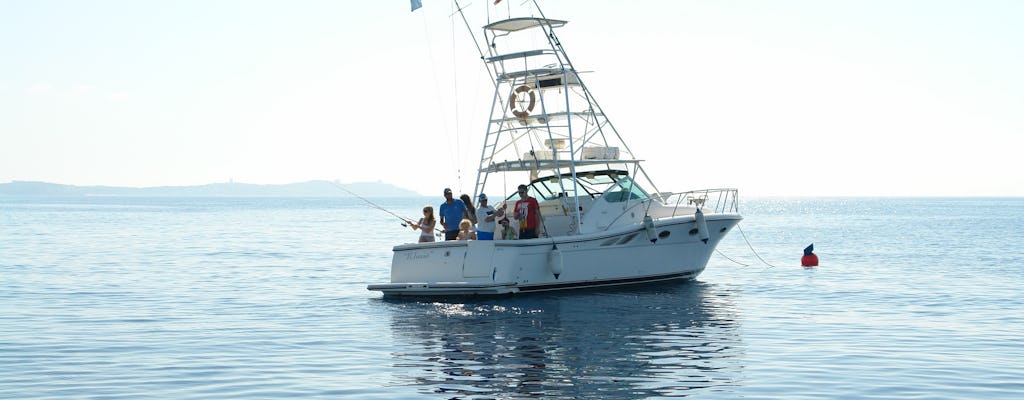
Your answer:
<point x="518" y="103"/>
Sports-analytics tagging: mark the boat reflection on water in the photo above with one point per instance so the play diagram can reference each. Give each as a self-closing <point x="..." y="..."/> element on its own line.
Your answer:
<point x="664" y="340"/>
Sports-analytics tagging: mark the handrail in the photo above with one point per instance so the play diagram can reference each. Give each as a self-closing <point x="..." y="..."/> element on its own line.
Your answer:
<point x="719" y="201"/>
<point x="519" y="54"/>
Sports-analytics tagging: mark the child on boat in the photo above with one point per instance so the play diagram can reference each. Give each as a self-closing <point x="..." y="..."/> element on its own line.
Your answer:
<point x="507" y="230"/>
<point x="470" y="210"/>
<point x="426" y="225"/>
<point x="466" y="230"/>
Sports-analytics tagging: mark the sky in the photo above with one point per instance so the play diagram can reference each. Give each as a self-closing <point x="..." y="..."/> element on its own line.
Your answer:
<point x="775" y="98"/>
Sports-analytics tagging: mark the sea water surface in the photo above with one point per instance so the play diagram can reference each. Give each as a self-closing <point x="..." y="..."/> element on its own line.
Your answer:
<point x="248" y="298"/>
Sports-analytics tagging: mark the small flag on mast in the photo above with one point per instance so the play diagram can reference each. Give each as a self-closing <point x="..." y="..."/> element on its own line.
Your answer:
<point x="417" y="4"/>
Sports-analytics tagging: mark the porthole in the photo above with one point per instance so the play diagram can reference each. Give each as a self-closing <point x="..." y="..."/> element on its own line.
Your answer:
<point x="693" y="232"/>
<point x="664" y="234"/>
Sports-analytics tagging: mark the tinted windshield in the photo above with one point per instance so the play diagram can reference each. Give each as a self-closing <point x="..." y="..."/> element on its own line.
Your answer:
<point x="615" y="185"/>
<point x="624" y="189"/>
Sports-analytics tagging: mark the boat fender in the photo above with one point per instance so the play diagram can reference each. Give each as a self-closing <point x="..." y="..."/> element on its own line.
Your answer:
<point x="513" y="101"/>
<point x="702" y="225"/>
<point x="555" y="261"/>
<point x="649" y="227"/>
<point x="809" y="259"/>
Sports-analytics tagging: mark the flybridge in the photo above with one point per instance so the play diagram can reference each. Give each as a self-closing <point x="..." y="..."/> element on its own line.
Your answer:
<point x="540" y="100"/>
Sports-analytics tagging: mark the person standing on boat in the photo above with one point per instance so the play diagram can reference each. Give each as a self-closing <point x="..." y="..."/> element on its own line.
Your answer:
<point x="528" y="214"/>
<point x="426" y="225"/>
<point x="485" y="219"/>
<point x="469" y="208"/>
<point x="452" y="211"/>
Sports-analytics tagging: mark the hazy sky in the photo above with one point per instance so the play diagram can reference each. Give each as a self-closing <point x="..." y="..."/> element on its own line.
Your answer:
<point x="810" y="97"/>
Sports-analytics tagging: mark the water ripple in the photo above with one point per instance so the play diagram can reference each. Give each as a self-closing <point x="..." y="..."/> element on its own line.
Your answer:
<point x="651" y="343"/>
<point x="265" y="298"/>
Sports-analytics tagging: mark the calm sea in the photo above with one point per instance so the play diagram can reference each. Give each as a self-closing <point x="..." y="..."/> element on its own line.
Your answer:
<point x="249" y="298"/>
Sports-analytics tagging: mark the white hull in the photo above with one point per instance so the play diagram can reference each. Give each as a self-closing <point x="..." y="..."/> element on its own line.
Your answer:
<point x="615" y="257"/>
<point x="606" y="223"/>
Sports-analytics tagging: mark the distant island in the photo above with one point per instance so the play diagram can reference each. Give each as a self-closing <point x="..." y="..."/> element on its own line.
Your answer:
<point x="317" y="188"/>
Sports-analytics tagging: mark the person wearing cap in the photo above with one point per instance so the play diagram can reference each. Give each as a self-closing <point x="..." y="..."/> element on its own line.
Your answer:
<point x="485" y="219"/>
<point x="452" y="211"/>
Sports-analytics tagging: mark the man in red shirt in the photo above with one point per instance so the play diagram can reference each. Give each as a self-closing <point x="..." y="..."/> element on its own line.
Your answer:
<point x="528" y="214"/>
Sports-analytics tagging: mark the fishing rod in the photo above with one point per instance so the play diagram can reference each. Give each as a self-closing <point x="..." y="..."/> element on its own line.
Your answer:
<point x="406" y="222"/>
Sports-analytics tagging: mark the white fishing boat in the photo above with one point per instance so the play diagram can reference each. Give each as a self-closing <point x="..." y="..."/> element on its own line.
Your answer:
<point x="604" y="222"/>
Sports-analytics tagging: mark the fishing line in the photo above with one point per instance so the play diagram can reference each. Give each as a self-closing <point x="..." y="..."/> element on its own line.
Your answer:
<point x="372" y="204"/>
<point x="437" y="86"/>
<point x="455" y="96"/>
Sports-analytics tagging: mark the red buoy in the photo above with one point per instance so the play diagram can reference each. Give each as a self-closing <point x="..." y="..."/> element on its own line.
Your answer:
<point x="809" y="259"/>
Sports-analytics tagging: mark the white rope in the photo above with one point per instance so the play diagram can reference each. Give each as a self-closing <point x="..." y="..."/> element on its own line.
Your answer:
<point x="752" y="247"/>
<point x="730" y="259"/>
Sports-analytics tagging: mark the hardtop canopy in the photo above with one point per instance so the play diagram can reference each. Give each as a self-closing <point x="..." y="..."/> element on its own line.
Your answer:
<point x="518" y="24"/>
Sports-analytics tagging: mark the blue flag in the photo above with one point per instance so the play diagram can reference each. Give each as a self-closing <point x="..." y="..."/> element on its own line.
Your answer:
<point x="416" y="4"/>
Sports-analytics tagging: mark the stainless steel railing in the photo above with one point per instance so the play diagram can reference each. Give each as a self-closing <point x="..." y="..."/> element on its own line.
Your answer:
<point x="718" y="201"/>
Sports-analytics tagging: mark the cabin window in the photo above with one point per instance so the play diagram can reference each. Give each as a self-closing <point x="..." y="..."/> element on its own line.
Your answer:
<point x="624" y="189"/>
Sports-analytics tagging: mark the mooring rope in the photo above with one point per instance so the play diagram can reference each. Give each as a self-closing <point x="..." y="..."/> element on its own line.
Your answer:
<point x="752" y="247"/>
<point x="730" y="259"/>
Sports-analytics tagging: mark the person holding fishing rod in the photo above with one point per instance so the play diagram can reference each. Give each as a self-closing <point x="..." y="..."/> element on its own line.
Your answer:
<point x="425" y="225"/>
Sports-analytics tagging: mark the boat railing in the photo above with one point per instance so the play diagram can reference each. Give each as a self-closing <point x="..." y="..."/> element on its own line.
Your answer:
<point x="719" y="201"/>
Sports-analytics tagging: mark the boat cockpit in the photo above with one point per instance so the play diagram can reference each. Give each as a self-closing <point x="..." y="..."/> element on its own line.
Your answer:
<point x="602" y="198"/>
<point x="612" y="185"/>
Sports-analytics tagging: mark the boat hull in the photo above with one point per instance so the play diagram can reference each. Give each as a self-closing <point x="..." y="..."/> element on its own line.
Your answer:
<point x="626" y="256"/>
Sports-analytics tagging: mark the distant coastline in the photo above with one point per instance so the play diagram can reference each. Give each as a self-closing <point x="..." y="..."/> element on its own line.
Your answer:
<point x="316" y="188"/>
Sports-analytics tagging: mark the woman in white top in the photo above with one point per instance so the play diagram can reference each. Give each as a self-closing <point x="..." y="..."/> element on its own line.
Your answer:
<point x="426" y="225"/>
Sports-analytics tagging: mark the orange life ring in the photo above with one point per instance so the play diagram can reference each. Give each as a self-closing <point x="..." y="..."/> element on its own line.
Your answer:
<point x="514" y="101"/>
